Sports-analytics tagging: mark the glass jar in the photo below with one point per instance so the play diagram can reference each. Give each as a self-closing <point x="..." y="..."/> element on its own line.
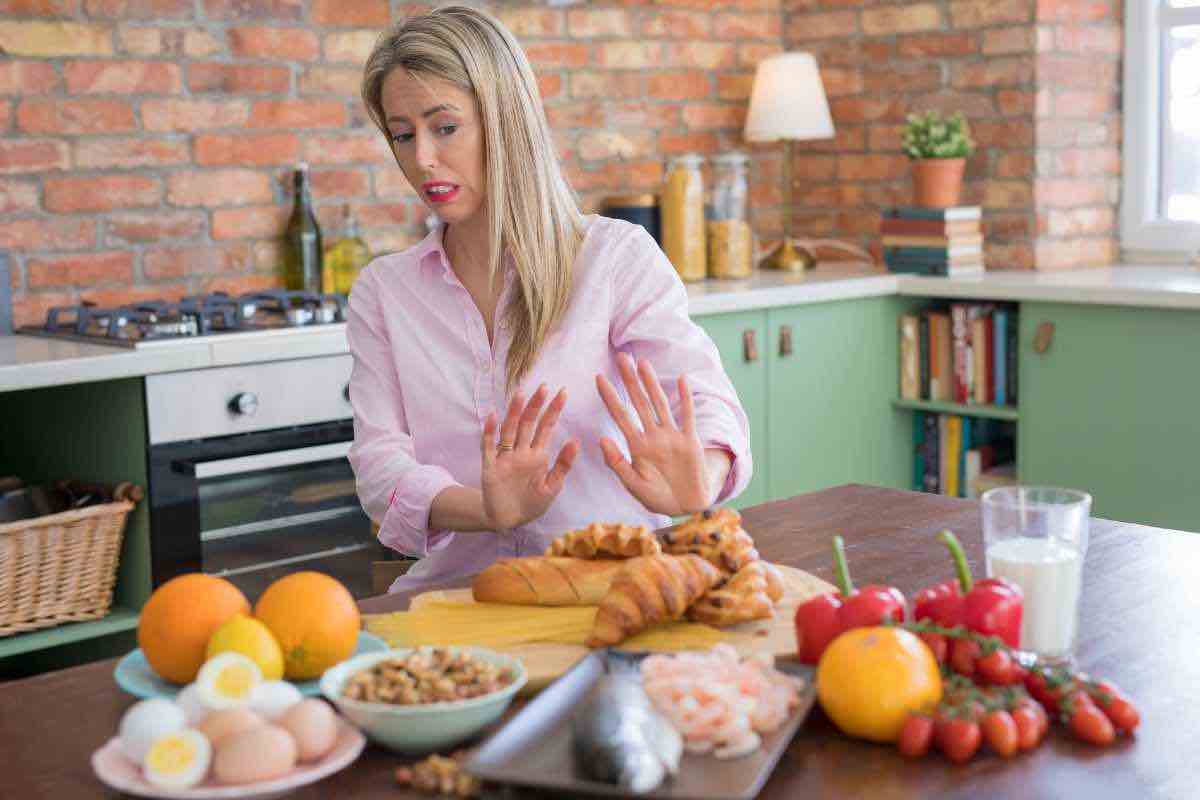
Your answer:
<point x="730" y="243"/>
<point x="682" y="212"/>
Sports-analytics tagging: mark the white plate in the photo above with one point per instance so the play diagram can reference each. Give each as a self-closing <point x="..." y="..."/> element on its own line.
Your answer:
<point x="116" y="771"/>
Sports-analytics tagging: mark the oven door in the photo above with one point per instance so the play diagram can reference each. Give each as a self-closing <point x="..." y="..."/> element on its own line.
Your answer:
<point x="254" y="507"/>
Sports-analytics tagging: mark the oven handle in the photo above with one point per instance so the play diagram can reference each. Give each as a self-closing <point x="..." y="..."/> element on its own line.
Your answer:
<point x="202" y="470"/>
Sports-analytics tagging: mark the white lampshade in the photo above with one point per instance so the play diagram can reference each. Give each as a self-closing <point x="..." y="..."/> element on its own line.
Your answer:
<point x="788" y="101"/>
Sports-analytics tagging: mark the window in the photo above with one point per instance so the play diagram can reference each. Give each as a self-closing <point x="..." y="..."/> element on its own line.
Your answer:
<point x="1161" y="202"/>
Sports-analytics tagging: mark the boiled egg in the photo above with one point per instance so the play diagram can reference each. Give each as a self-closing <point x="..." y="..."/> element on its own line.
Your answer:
<point x="189" y="700"/>
<point x="147" y="721"/>
<point x="313" y="725"/>
<point x="258" y="754"/>
<point x="178" y="760"/>
<point x="228" y="722"/>
<point x="226" y="680"/>
<point x="270" y="699"/>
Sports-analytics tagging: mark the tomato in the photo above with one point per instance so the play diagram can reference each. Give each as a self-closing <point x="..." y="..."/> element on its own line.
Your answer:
<point x="958" y="738"/>
<point x="996" y="668"/>
<point x="1029" y="728"/>
<point x="1088" y="722"/>
<point x="963" y="655"/>
<point x="915" y="736"/>
<point x="937" y="643"/>
<point x="1000" y="733"/>
<point x="1048" y="689"/>
<point x="1116" y="706"/>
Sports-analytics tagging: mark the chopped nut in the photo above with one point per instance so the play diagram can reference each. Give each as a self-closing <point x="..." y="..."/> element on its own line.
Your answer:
<point x="432" y="676"/>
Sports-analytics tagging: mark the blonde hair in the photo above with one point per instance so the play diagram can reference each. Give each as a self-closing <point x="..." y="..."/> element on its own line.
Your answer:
<point x="532" y="212"/>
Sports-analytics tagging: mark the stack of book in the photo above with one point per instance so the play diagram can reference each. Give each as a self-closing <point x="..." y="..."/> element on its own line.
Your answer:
<point x="966" y="353"/>
<point x="933" y="241"/>
<point x="961" y="456"/>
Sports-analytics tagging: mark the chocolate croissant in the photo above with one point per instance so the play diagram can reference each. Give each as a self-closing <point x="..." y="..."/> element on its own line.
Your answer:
<point x="750" y="594"/>
<point x="717" y="536"/>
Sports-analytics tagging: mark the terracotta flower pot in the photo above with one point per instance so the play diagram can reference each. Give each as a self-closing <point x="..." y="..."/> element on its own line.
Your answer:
<point x="937" y="182"/>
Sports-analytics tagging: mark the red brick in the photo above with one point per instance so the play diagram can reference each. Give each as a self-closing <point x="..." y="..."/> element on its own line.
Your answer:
<point x="18" y="196"/>
<point x="39" y="8"/>
<point x="45" y="39"/>
<point x="676" y="143"/>
<point x="127" y="153"/>
<point x="550" y="85"/>
<point x="932" y="45"/>
<point x="871" y="167"/>
<point x="1076" y="10"/>
<point x="1016" y="102"/>
<point x="700" y="55"/>
<point x="1012" y="225"/>
<point x="1085" y="103"/>
<point x="231" y="187"/>
<point x="839" y="81"/>
<point x="557" y="54"/>
<point x="807" y="168"/>
<point x="1092" y="39"/>
<point x="29" y="308"/>
<point x="576" y="115"/>
<point x="672" y="24"/>
<point x="1003" y="71"/>
<point x="1057" y="132"/>
<point x="141" y="227"/>
<point x="1008" y="194"/>
<point x="884" y="138"/>
<point x="853" y="52"/>
<point x="88" y="269"/>
<point x="367" y="147"/>
<point x="70" y="195"/>
<point x="340" y="183"/>
<point x="55" y="233"/>
<point x="282" y="10"/>
<point x="140" y="9"/>
<point x="983" y="13"/>
<point x="1080" y="222"/>
<point x="866" y="109"/>
<point x="390" y="184"/>
<point x="910" y="18"/>
<point x="360" y="13"/>
<point x="288" y="44"/>
<point x="1014" y="165"/>
<point x="913" y="77"/>
<point x="342" y="81"/>
<point x="84" y="115"/>
<point x="846" y="139"/>
<point x="249" y="222"/>
<point x="1068" y="193"/>
<point x="747" y="26"/>
<point x="1001" y="41"/>
<point x="304" y="114"/>
<point x="528" y="22"/>
<point x="598" y="23"/>
<point x="238" y="78"/>
<point x="604" y="84"/>
<point x="680" y="85"/>
<point x="630" y="55"/>
<point x="121" y="77"/>
<point x="192" y="43"/>
<point x="625" y="145"/>
<point x="28" y="78"/>
<point x="749" y="55"/>
<point x="244" y="148"/>
<point x="180" y="262"/>
<point x="1092" y="161"/>
<point x="737" y="85"/>
<point x="380" y="214"/>
<point x="1075" y="252"/>
<point x="188" y="116"/>
<point x="32" y="155"/>
<point x="1002" y="133"/>
<point x="802" y="27"/>
<point x="700" y="116"/>
<point x="1007" y="257"/>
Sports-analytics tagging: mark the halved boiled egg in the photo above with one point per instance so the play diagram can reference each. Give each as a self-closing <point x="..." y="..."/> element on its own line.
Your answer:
<point x="226" y="681"/>
<point x="147" y="721"/>
<point x="178" y="760"/>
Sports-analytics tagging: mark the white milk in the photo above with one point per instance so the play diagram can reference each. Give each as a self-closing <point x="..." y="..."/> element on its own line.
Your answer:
<point x="1049" y="573"/>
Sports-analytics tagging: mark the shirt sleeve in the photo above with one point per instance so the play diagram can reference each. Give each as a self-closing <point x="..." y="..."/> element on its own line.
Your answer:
<point x="650" y="320"/>
<point x="395" y="489"/>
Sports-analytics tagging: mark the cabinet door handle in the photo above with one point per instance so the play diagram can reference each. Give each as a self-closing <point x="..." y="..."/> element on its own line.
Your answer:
<point x="750" y="346"/>
<point x="1043" y="337"/>
<point x="785" y="340"/>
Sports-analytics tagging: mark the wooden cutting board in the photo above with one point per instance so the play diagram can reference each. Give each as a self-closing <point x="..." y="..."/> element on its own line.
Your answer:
<point x="547" y="662"/>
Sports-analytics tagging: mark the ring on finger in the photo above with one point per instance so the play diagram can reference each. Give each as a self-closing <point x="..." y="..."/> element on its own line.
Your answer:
<point x="505" y="446"/>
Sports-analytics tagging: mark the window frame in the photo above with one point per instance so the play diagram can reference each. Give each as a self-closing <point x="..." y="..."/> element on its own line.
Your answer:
<point x="1141" y="228"/>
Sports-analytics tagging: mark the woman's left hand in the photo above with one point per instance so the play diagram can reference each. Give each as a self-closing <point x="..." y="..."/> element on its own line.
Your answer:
<point x="668" y="472"/>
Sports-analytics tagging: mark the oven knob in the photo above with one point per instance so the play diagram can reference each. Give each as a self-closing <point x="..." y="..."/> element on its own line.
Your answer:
<point x="244" y="403"/>
<point x="346" y="393"/>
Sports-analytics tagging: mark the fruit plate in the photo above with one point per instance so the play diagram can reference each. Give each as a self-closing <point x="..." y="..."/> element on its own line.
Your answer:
<point x="117" y="772"/>
<point x="134" y="675"/>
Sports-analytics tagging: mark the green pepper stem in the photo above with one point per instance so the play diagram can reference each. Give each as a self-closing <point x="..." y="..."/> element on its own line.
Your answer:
<point x="841" y="572"/>
<point x="960" y="560"/>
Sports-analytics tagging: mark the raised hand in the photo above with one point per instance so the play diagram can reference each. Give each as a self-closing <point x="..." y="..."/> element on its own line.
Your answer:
<point x="668" y="472"/>
<point x="518" y="482"/>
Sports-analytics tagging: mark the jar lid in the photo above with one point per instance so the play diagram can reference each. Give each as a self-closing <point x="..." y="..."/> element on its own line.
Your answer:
<point x="731" y="158"/>
<point x="630" y="201"/>
<point x="689" y="160"/>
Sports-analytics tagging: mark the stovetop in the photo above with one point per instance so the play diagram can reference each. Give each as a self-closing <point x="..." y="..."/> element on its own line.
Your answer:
<point x="156" y="322"/>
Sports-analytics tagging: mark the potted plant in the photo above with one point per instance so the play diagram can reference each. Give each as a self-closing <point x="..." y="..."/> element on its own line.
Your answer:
<point x="938" y="147"/>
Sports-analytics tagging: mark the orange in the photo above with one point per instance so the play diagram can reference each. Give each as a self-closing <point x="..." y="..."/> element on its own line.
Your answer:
<point x="314" y="619"/>
<point x="869" y="679"/>
<point x="179" y="619"/>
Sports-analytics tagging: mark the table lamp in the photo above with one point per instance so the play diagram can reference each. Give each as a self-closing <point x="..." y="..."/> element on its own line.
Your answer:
<point x="788" y="103"/>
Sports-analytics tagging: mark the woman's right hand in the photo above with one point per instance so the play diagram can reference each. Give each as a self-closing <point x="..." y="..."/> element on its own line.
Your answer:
<point x="518" y="484"/>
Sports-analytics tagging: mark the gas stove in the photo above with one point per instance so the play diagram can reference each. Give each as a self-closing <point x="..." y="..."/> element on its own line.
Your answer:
<point x="157" y="322"/>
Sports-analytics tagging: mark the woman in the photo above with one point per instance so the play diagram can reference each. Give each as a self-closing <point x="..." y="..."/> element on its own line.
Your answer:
<point x="487" y="409"/>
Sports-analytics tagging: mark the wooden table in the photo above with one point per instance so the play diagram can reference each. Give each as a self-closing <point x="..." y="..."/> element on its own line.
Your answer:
<point x="1140" y="627"/>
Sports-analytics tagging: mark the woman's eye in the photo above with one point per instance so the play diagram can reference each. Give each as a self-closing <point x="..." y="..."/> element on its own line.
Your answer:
<point x="446" y="130"/>
<point x="400" y="138"/>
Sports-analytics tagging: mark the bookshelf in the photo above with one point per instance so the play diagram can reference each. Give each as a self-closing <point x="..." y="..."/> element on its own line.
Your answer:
<point x="1008" y="413"/>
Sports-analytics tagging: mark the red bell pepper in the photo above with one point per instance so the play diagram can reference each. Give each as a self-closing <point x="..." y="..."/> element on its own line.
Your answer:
<point x="823" y="618"/>
<point x="991" y="607"/>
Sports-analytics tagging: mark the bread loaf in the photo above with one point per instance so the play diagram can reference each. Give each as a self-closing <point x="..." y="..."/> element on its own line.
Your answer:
<point x="545" y="581"/>
<point x="650" y="590"/>
<point x="601" y="540"/>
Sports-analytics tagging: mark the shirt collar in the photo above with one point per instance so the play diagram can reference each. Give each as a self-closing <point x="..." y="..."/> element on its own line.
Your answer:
<point x="433" y="259"/>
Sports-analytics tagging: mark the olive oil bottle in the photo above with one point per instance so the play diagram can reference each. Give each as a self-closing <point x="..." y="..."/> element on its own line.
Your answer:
<point x="302" y="240"/>
<point x="346" y="257"/>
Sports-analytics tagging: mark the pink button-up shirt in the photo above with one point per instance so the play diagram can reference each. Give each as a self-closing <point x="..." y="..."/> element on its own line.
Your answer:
<point x="425" y="378"/>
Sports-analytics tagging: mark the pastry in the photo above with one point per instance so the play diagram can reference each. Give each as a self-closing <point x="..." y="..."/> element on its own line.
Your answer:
<point x="649" y="590"/>
<point x="606" y="540"/>
<point x="717" y="536"/>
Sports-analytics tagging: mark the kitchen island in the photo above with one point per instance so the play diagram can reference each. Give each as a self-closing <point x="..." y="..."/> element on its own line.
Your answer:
<point x="1138" y="629"/>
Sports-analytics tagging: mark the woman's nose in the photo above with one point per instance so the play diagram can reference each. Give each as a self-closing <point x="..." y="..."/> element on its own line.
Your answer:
<point x="426" y="151"/>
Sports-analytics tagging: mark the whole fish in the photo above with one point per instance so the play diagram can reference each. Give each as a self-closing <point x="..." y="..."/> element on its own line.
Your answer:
<point x="619" y="738"/>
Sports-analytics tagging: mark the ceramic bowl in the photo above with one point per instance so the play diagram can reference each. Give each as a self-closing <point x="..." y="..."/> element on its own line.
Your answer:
<point x="421" y="729"/>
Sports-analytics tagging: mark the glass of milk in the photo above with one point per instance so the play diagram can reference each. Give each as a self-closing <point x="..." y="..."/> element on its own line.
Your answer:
<point x="1037" y="537"/>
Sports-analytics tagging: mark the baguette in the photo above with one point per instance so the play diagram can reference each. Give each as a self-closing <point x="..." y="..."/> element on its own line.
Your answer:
<point x="545" y="581"/>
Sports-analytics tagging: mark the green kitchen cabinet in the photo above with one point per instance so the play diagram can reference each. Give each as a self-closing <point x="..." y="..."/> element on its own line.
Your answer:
<point x="1110" y="407"/>
<point x="739" y="337"/>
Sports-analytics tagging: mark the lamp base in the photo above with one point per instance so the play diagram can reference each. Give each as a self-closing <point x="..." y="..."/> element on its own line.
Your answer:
<point x="788" y="259"/>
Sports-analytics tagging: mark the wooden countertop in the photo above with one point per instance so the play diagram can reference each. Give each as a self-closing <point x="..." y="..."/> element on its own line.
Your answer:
<point x="1140" y="606"/>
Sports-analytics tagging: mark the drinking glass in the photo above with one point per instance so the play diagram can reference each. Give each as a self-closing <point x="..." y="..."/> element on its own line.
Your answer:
<point x="1037" y="538"/>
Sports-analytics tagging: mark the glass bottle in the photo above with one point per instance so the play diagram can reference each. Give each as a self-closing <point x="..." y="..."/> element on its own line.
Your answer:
<point x="302" y="239"/>
<point x="346" y="257"/>
<point x="682" y="215"/>
<point x="730" y="244"/>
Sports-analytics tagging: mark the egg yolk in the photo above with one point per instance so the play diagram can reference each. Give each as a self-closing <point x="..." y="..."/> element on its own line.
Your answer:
<point x="234" y="681"/>
<point x="171" y="754"/>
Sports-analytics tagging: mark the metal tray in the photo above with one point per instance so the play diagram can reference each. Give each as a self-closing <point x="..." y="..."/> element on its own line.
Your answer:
<point x="534" y="748"/>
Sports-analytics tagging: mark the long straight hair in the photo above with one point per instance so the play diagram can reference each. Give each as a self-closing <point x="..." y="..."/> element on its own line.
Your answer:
<point x="532" y="214"/>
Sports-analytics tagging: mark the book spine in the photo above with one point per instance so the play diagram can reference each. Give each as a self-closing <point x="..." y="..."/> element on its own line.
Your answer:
<point x="952" y="243"/>
<point x="933" y="255"/>
<point x="971" y="474"/>
<point x="1000" y="337"/>
<point x="978" y="361"/>
<point x="964" y="444"/>
<point x="958" y="329"/>
<point x="932" y="456"/>
<point x="950" y="214"/>
<point x="910" y="369"/>
<point x="896" y="226"/>
<point x="953" y="446"/>
<point x="940" y="364"/>
<point x="918" y="481"/>
<point x="989" y="368"/>
<point x="923" y="355"/>
<point x="1012" y="354"/>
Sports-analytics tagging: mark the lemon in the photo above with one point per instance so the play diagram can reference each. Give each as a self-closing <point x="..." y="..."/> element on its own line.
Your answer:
<point x="251" y="638"/>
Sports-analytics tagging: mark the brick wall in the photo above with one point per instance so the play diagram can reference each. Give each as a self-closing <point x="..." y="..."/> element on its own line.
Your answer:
<point x="146" y="145"/>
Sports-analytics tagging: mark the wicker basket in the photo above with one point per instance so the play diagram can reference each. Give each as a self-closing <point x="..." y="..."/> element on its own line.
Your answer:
<point x="60" y="567"/>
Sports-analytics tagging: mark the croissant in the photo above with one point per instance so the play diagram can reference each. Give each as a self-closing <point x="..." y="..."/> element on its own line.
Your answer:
<point x="650" y="590"/>
<point x="717" y="536"/>
<point x="750" y="594"/>
<point x="600" y="540"/>
<point x="543" y="581"/>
